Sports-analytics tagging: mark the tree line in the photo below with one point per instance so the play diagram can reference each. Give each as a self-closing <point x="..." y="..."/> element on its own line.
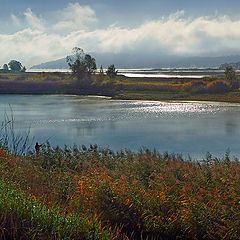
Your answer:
<point x="13" y="66"/>
<point x="83" y="65"/>
<point x="231" y="77"/>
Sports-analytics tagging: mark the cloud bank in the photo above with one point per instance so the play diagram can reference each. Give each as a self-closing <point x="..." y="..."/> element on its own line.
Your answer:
<point x="42" y="38"/>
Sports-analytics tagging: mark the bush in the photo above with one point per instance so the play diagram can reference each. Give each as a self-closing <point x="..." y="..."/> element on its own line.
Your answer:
<point x="197" y="87"/>
<point x="217" y="87"/>
<point x="112" y="72"/>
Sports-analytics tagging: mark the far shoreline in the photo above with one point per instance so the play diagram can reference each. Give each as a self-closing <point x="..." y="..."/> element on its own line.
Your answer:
<point x="120" y="88"/>
<point x="200" y="99"/>
<point x="221" y="98"/>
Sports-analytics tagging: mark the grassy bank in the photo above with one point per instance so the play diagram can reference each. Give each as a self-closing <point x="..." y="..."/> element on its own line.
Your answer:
<point x="205" y="89"/>
<point x="54" y="83"/>
<point x="92" y="193"/>
<point x="233" y="97"/>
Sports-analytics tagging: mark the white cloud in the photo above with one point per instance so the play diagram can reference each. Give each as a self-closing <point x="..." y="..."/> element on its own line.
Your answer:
<point x="33" y="20"/>
<point x="47" y="39"/>
<point x="15" y="20"/>
<point x="177" y="15"/>
<point x="74" y="17"/>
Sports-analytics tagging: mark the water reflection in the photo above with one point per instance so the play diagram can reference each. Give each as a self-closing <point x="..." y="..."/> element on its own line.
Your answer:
<point x="89" y="128"/>
<point x="231" y="128"/>
<point x="183" y="127"/>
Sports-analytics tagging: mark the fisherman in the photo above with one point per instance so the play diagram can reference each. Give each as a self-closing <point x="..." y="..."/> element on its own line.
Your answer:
<point x="37" y="147"/>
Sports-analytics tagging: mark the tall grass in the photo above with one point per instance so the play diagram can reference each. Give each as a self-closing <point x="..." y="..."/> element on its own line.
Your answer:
<point x="18" y="143"/>
<point x="133" y="195"/>
<point x="23" y="217"/>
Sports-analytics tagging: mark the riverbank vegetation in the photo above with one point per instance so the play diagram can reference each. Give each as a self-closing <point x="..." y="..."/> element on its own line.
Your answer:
<point x="121" y="87"/>
<point x="93" y="193"/>
<point x="85" y="79"/>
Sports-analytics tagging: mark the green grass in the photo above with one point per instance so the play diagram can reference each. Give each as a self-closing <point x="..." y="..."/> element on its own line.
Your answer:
<point x="36" y="77"/>
<point x="233" y="97"/>
<point x="23" y="217"/>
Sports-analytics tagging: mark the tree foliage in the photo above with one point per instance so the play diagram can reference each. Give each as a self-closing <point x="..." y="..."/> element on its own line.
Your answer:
<point x="90" y="63"/>
<point x="23" y="69"/>
<point x="231" y="76"/>
<point x="111" y="71"/>
<point x="5" y="67"/>
<point x="101" y="72"/>
<point x="230" y="73"/>
<point x="15" y="66"/>
<point x="81" y="64"/>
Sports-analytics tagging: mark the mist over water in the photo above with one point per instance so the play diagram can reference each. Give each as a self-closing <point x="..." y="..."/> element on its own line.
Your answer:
<point x="182" y="127"/>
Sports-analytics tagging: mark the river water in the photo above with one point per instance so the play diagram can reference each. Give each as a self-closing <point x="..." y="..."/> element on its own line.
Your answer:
<point x="193" y="128"/>
<point x="156" y="73"/>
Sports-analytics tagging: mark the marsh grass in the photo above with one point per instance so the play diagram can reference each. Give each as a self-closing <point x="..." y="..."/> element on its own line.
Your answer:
<point x="18" y="143"/>
<point x="23" y="217"/>
<point x="208" y="88"/>
<point x="130" y="195"/>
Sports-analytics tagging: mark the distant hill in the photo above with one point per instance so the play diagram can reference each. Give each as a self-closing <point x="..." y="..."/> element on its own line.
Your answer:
<point x="146" y="61"/>
<point x="234" y="65"/>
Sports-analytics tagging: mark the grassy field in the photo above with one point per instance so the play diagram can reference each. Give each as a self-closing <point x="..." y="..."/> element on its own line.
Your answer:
<point x="92" y="193"/>
<point x="54" y="83"/>
<point x="205" y="89"/>
<point x="233" y="97"/>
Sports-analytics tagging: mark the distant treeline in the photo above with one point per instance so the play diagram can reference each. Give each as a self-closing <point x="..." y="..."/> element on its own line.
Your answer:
<point x="13" y="66"/>
<point x="236" y="66"/>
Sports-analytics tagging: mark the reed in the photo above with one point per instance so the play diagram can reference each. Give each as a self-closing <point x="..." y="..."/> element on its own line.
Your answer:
<point x="18" y="143"/>
<point x="127" y="195"/>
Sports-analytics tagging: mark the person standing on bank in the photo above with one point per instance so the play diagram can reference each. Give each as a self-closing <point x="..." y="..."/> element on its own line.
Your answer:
<point x="37" y="147"/>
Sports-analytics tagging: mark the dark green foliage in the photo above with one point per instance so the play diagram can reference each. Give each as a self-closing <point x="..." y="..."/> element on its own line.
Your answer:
<point x="231" y="76"/>
<point x="22" y="217"/>
<point x="111" y="71"/>
<point x="16" y="66"/>
<point x="101" y="72"/>
<point x="5" y="67"/>
<point x="90" y="63"/>
<point x="81" y="64"/>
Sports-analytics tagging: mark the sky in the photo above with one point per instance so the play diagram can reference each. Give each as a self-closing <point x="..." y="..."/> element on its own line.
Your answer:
<point x="39" y="31"/>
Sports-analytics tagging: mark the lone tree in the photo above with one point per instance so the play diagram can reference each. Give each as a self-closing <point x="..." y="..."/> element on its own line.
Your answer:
<point x="5" y="67"/>
<point x="231" y="76"/>
<point x="16" y="66"/>
<point x="81" y="64"/>
<point x="90" y="63"/>
<point x="101" y="74"/>
<point x="111" y="71"/>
